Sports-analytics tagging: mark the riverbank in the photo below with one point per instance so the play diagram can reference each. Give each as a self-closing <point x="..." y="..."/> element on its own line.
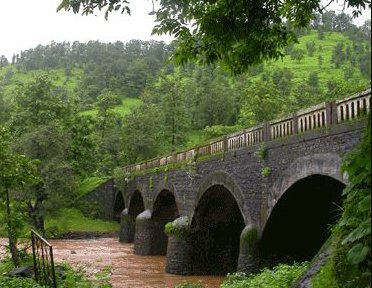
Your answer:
<point x="110" y="258"/>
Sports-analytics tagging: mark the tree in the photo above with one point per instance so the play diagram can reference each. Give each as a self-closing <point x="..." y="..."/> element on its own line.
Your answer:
<point x="108" y="125"/>
<point x="313" y="80"/>
<point x="338" y="55"/>
<point x="365" y="65"/>
<point x="16" y="171"/>
<point x="173" y="107"/>
<point x="140" y="136"/>
<point x="310" y="47"/>
<point x="3" y="61"/>
<point x="297" y="54"/>
<point x="260" y="104"/>
<point x="227" y="31"/>
<point x="40" y="126"/>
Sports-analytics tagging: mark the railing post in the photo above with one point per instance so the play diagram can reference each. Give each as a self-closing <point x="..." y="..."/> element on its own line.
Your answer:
<point x="225" y="144"/>
<point x="266" y="132"/>
<point x="295" y="123"/>
<point x="331" y="113"/>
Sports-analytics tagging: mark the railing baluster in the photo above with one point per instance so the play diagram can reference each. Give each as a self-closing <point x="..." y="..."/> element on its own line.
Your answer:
<point x="318" y="116"/>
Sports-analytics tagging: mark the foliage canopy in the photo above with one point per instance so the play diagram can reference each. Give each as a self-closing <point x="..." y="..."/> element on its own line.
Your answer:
<point x="236" y="33"/>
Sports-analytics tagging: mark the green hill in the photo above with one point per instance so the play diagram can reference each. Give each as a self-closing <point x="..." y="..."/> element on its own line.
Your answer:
<point x="324" y="68"/>
<point x="10" y="77"/>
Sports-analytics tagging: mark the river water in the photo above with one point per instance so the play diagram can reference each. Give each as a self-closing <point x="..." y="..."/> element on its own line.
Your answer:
<point x="127" y="269"/>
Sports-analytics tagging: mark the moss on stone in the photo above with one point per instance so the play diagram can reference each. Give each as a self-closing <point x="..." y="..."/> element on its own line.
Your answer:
<point x="249" y="240"/>
<point x="179" y="228"/>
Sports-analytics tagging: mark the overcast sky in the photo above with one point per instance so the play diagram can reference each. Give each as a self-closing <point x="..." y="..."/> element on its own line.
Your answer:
<point x="26" y="23"/>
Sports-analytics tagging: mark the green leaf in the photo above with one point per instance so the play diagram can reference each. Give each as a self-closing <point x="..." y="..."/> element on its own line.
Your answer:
<point x="365" y="204"/>
<point x="357" y="253"/>
<point x="362" y="230"/>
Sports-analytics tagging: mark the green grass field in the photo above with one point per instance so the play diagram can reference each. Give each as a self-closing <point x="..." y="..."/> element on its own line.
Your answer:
<point x="72" y="220"/>
<point x="10" y="78"/>
<point x="126" y="105"/>
<point x="327" y="71"/>
<point x="88" y="185"/>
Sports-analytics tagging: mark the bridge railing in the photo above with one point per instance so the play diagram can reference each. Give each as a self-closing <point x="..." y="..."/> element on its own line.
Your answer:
<point x="315" y="117"/>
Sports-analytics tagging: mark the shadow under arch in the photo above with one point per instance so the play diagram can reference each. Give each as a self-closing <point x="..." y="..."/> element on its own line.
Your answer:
<point x="128" y="217"/>
<point x="304" y="206"/>
<point x="164" y="210"/>
<point x="119" y="206"/>
<point x="327" y="164"/>
<point x="216" y="226"/>
<point x="223" y="179"/>
<point x="136" y="204"/>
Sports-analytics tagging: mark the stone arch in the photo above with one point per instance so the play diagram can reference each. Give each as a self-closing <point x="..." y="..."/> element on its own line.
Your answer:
<point x="164" y="210"/>
<point x="305" y="201"/>
<point x="328" y="164"/>
<point x="216" y="225"/>
<point x="224" y="179"/>
<point x="136" y="203"/>
<point x="166" y="187"/>
<point x="119" y="205"/>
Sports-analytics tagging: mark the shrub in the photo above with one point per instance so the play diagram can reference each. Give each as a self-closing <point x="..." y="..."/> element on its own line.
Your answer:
<point x="280" y="276"/>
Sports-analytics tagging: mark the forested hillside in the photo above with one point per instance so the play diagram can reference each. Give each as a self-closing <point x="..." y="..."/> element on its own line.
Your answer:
<point x="139" y="105"/>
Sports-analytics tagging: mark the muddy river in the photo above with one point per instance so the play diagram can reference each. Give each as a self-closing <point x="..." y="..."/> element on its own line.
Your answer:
<point x="127" y="269"/>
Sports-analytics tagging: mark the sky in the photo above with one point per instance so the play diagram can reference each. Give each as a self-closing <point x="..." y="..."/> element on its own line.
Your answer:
<point x="26" y="23"/>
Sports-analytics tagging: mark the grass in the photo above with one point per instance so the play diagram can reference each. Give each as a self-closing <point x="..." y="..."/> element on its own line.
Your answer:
<point x="88" y="185"/>
<point x="71" y="277"/>
<point x="327" y="71"/>
<point x="70" y="220"/>
<point x="126" y="105"/>
<point x="10" y="77"/>
<point x="325" y="277"/>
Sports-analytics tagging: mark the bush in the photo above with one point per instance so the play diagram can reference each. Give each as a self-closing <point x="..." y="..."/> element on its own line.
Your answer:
<point x="220" y="130"/>
<point x="280" y="276"/>
<point x="10" y="282"/>
<point x="352" y="247"/>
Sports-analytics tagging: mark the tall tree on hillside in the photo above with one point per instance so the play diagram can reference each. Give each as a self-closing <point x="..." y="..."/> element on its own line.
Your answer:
<point x="39" y="125"/>
<point x="261" y="103"/>
<point x="141" y="138"/>
<point x="168" y="93"/>
<point x="3" y="61"/>
<point x="338" y="55"/>
<point x="108" y="125"/>
<point x="16" y="172"/>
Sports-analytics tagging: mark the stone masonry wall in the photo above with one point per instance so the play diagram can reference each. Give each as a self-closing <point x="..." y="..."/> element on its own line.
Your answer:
<point x="240" y="171"/>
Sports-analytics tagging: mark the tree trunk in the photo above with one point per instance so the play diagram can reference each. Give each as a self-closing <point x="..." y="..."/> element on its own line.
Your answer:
<point x="11" y="235"/>
<point x="35" y="214"/>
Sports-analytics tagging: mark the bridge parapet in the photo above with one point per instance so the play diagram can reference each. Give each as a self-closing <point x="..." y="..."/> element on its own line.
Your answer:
<point x="315" y="117"/>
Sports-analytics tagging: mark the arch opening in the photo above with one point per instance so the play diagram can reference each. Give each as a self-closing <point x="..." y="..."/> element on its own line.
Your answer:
<point x="136" y="205"/>
<point x="119" y="206"/>
<point x="215" y="233"/>
<point x="300" y="222"/>
<point x="165" y="210"/>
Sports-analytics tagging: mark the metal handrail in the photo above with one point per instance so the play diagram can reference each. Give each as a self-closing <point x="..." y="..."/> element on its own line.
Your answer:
<point x="42" y="253"/>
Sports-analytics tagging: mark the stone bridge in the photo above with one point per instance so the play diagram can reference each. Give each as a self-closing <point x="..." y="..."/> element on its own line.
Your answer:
<point x="263" y="195"/>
